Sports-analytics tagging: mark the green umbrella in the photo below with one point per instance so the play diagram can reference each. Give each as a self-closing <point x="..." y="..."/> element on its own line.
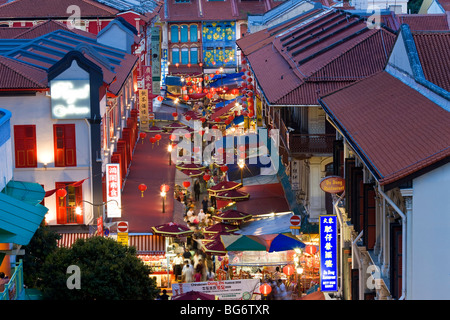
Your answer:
<point x="243" y="243"/>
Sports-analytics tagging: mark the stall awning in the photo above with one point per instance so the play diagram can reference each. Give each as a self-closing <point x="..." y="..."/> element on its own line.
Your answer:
<point x="269" y="225"/>
<point x="68" y="239"/>
<point x="20" y="211"/>
<point x="147" y="243"/>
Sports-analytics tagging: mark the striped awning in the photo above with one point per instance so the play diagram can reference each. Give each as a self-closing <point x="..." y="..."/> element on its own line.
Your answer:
<point x="68" y="239"/>
<point x="142" y="243"/>
<point x="147" y="243"/>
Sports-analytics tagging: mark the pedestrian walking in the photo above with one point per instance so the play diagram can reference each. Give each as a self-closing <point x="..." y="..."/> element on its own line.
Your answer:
<point x="201" y="216"/>
<point x="205" y="203"/>
<point x="178" y="266"/>
<point x="188" y="271"/>
<point x="197" y="190"/>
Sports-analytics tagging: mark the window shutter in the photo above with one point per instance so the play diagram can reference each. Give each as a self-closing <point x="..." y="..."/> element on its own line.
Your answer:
<point x="70" y="145"/>
<point x="79" y="199"/>
<point x="25" y="146"/>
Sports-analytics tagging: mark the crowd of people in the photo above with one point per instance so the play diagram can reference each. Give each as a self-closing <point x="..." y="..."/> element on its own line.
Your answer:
<point x="193" y="266"/>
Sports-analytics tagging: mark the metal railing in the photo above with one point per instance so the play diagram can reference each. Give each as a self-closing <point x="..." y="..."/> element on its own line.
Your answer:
<point x="14" y="288"/>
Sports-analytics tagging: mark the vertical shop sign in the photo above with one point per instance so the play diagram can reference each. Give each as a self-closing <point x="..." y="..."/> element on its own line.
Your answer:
<point x="164" y="66"/>
<point x="113" y="192"/>
<point x="328" y="253"/>
<point x="156" y="59"/>
<point x="143" y="109"/>
<point x="147" y="78"/>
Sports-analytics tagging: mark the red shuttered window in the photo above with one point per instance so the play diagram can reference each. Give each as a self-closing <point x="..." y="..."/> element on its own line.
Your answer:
<point x="25" y="146"/>
<point x="65" y="145"/>
<point x="66" y="207"/>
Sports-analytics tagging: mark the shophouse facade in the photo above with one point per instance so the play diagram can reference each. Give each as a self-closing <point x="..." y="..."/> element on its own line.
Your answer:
<point x="293" y="64"/>
<point x="396" y="170"/>
<point x="72" y="117"/>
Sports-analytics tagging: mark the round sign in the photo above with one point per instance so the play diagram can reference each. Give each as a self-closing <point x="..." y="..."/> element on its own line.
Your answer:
<point x="122" y="226"/>
<point x="332" y="184"/>
<point x="295" y="220"/>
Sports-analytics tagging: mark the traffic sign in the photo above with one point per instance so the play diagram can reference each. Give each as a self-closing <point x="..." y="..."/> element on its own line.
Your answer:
<point x="295" y="220"/>
<point x="122" y="226"/>
<point x="122" y="237"/>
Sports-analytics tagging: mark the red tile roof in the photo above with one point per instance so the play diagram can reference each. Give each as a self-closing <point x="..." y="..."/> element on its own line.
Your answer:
<point x="52" y="8"/>
<point x="434" y="55"/>
<point x="10" y="33"/>
<point x="425" y="22"/>
<point x="204" y="10"/>
<point x="47" y="27"/>
<point x="18" y="75"/>
<point x="392" y="125"/>
<point x="317" y="57"/>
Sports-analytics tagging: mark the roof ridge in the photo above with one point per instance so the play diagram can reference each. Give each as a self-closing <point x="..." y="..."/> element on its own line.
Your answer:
<point x="26" y="76"/>
<point x="102" y="6"/>
<point x="341" y="54"/>
<point x="40" y="25"/>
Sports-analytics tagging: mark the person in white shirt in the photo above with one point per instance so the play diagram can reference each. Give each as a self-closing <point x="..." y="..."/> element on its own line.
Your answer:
<point x="201" y="216"/>
<point x="188" y="272"/>
<point x="177" y="266"/>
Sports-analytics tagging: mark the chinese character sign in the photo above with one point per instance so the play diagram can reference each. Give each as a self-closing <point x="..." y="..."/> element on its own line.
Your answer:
<point x="328" y="253"/>
<point x="143" y="109"/>
<point x="113" y="193"/>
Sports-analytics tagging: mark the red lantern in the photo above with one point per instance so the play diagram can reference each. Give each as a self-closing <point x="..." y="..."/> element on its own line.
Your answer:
<point x="217" y="71"/>
<point x="188" y="118"/>
<point x="244" y="62"/>
<point x="160" y="98"/>
<point x="61" y="193"/>
<point x="174" y="114"/>
<point x="164" y="188"/>
<point x="142" y="187"/>
<point x="311" y="250"/>
<point x="202" y="120"/>
<point x="186" y="184"/>
<point x="206" y="177"/>
<point x="142" y="135"/>
<point x="227" y="122"/>
<point x="215" y="127"/>
<point x="224" y="168"/>
<point x="152" y="140"/>
<point x="187" y="135"/>
<point x="217" y="119"/>
<point x="288" y="270"/>
<point x="172" y="137"/>
<point x="200" y="64"/>
<point x="185" y="97"/>
<point x="265" y="289"/>
<point x="157" y="137"/>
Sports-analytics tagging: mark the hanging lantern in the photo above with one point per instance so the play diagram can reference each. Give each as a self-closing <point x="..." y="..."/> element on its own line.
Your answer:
<point x="187" y="135"/>
<point x="200" y="64"/>
<point x="172" y="137"/>
<point x="191" y="90"/>
<point x="249" y="79"/>
<point x="61" y="193"/>
<point x="217" y="119"/>
<point x="160" y="98"/>
<point x="164" y="188"/>
<point x="157" y="137"/>
<point x="289" y="270"/>
<point x="174" y="114"/>
<point x="244" y="62"/>
<point x="206" y="177"/>
<point x="177" y="64"/>
<point x="186" y="97"/>
<point x="311" y="249"/>
<point x="202" y="120"/>
<point x="152" y="140"/>
<point x="142" y="135"/>
<point x="215" y="127"/>
<point x="142" y="187"/>
<point x="224" y="168"/>
<point x="188" y="118"/>
<point x="244" y="77"/>
<point x="227" y="122"/>
<point x="186" y="184"/>
<point x="196" y="149"/>
<point x="265" y="289"/>
<point x="217" y="71"/>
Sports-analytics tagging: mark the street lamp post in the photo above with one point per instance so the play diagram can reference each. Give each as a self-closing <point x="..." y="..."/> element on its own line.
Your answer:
<point x="169" y="148"/>
<point x="241" y="165"/>
<point x="163" y="196"/>
<point x="78" y="209"/>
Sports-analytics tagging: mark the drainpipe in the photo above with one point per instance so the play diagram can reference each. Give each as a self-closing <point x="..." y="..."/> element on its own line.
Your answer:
<point x="356" y="252"/>
<point x="403" y="216"/>
<point x="338" y="214"/>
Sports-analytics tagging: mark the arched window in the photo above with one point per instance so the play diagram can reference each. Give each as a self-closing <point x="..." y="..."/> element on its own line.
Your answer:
<point x="184" y="33"/>
<point x="184" y="55"/>
<point x="193" y="33"/>
<point x="174" y="34"/>
<point x="194" y="55"/>
<point x="175" y="56"/>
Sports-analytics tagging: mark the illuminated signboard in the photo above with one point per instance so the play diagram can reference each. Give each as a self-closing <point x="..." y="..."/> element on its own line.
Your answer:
<point x="328" y="253"/>
<point x="332" y="184"/>
<point x="70" y="99"/>
<point x="113" y="193"/>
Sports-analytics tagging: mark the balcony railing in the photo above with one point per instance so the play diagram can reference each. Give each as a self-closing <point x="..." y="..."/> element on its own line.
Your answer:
<point x="311" y="143"/>
<point x="306" y="144"/>
<point x="14" y="288"/>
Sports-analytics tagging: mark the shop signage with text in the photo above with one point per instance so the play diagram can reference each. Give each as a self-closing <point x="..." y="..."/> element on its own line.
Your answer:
<point x="333" y="184"/>
<point x="113" y="192"/>
<point x="328" y="253"/>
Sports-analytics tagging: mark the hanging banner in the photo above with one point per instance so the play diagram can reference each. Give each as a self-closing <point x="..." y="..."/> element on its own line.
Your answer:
<point x="239" y="289"/>
<point x="156" y="59"/>
<point x="147" y="84"/>
<point x="328" y="253"/>
<point x="143" y="109"/>
<point x="113" y="192"/>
